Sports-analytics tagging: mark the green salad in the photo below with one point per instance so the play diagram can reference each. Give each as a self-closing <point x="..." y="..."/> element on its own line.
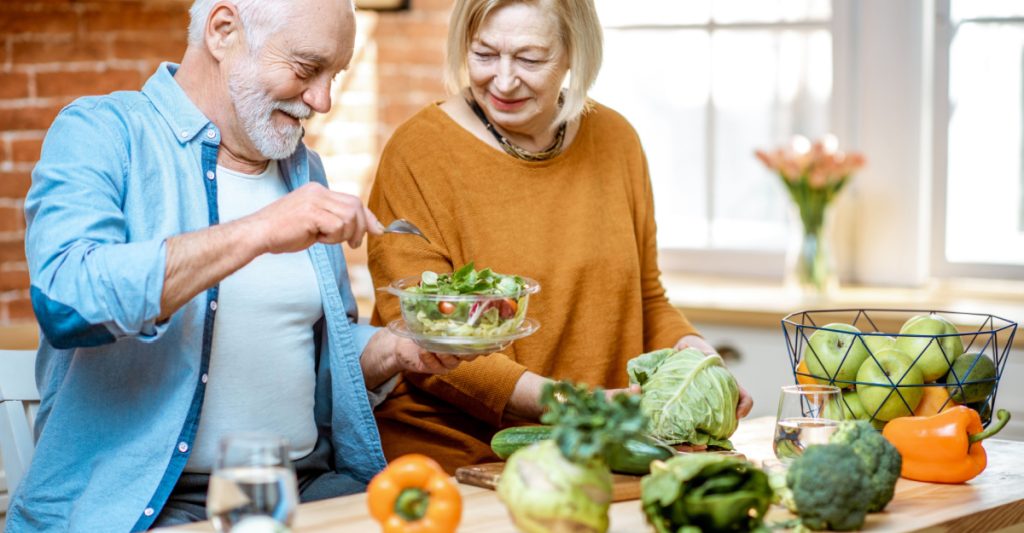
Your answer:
<point x="497" y="309"/>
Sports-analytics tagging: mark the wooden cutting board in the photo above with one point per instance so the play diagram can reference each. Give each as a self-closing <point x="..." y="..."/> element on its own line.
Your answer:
<point x="486" y="475"/>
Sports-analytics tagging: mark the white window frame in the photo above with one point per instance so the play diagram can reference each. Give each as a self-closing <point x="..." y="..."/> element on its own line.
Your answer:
<point x="749" y="262"/>
<point x="941" y="267"/>
<point x="890" y="101"/>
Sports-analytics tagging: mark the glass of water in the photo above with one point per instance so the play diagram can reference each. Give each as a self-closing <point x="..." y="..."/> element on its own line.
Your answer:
<point x="808" y="414"/>
<point x="253" y="485"/>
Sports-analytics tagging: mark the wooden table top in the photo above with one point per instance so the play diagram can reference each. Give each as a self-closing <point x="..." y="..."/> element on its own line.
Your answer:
<point x="992" y="501"/>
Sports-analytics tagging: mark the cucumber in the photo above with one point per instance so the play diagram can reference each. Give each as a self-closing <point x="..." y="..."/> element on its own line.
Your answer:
<point x="507" y="441"/>
<point x="636" y="454"/>
<point x="633" y="457"/>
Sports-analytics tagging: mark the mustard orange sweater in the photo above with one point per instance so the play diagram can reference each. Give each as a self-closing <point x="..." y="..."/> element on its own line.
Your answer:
<point x="582" y="224"/>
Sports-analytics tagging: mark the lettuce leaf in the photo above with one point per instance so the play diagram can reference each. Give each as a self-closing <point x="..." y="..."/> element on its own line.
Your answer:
<point x="688" y="396"/>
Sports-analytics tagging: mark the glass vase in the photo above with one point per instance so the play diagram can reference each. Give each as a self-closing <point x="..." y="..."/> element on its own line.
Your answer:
<point x="810" y="266"/>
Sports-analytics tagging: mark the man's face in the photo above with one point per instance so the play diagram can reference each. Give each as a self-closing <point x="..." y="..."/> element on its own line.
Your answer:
<point x="290" y="76"/>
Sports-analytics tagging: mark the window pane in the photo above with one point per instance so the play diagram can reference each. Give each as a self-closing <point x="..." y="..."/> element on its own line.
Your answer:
<point x="961" y="9"/>
<point x="661" y="12"/>
<point x="768" y="86"/>
<point x="666" y="101"/>
<point x="984" y="212"/>
<point x="729" y="11"/>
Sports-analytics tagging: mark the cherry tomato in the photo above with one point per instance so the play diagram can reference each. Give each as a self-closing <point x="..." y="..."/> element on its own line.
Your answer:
<point x="507" y="308"/>
<point x="446" y="308"/>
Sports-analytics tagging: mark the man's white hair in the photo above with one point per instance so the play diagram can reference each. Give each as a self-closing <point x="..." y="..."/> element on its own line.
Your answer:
<point x="260" y="19"/>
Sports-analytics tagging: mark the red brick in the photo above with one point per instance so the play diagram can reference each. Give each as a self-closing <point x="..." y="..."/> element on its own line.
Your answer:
<point x="20" y="310"/>
<point x="444" y="6"/>
<point x="28" y="117"/>
<point x="135" y="17"/>
<point x="26" y="150"/>
<point x="15" y="18"/>
<point x="155" y="46"/>
<point x="11" y="280"/>
<point x="13" y="85"/>
<point x="14" y="184"/>
<point x="397" y="114"/>
<point x="86" y="83"/>
<point x="12" y="250"/>
<point x="392" y="26"/>
<point x="11" y="219"/>
<point x="407" y="52"/>
<point x="59" y="51"/>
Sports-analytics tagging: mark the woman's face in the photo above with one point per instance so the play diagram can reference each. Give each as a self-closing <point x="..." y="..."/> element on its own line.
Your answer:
<point x="516" y="68"/>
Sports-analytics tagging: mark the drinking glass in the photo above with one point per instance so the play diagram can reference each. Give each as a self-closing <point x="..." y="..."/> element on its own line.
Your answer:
<point x="808" y="414"/>
<point x="253" y="484"/>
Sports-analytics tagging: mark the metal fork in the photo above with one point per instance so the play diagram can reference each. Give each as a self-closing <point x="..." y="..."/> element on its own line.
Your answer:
<point x="404" y="226"/>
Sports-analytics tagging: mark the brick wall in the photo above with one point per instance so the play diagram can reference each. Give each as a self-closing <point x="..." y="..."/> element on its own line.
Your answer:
<point x="52" y="51"/>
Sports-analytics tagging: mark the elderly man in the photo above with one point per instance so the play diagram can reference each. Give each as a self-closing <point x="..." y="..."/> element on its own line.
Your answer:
<point x="188" y="281"/>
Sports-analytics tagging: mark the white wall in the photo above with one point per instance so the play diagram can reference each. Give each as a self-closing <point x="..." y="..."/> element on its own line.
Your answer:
<point x="883" y="66"/>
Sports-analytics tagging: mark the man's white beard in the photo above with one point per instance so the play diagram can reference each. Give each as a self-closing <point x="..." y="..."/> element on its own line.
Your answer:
<point x="254" y="107"/>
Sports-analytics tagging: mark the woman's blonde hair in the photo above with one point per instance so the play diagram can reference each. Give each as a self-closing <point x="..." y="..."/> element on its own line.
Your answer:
<point x="580" y="32"/>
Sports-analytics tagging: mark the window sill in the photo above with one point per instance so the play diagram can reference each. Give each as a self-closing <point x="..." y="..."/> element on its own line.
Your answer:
<point x="761" y="303"/>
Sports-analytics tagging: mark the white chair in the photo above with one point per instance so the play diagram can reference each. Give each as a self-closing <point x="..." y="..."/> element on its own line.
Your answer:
<point x="19" y="400"/>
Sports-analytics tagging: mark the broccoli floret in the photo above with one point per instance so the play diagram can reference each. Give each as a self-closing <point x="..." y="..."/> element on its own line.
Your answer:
<point x="830" y="487"/>
<point x="881" y="458"/>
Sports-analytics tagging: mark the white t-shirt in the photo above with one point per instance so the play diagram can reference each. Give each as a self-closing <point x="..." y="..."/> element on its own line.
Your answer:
<point x="262" y="375"/>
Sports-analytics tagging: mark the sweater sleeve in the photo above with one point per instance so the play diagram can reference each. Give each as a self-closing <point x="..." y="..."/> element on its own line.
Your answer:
<point x="664" y="325"/>
<point x="480" y="388"/>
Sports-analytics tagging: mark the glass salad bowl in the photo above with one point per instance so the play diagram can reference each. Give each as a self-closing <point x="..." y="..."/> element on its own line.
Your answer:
<point x="466" y="312"/>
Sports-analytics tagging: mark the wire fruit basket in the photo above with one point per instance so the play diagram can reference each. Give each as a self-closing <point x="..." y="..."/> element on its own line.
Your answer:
<point x="901" y="362"/>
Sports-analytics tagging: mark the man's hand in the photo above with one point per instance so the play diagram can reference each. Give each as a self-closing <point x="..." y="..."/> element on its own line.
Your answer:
<point x="388" y="354"/>
<point x="198" y="260"/>
<point x="310" y="214"/>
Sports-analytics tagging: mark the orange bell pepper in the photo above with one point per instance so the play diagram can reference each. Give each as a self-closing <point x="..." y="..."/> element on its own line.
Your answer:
<point x="943" y="448"/>
<point x="414" y="495"/>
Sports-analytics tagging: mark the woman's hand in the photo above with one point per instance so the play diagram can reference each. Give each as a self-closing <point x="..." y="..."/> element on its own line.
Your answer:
<point x="746" y="403"/>
<point x="693" y="341"/>
<point x="631" y="390"/>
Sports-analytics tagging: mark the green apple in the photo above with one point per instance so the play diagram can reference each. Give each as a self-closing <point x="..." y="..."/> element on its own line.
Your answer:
<point x="852" y="408"/>
<point x="877" y="342"/>
<point x="936" y="353"/>
<point x="973" y="378"/>
<point x="834" y="353"/>
<point x="876" y="379"/>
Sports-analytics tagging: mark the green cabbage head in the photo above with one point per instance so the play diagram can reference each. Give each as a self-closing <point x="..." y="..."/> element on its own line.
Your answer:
<point x="688" y="396"/>
<point x="546" y="492"/>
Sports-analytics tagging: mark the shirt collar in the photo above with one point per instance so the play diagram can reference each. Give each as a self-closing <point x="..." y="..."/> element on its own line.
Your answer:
<point x="182" y="116"/>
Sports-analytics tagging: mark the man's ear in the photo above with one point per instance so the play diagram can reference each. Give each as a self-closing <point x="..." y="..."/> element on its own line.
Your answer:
<point x="223" y="29"/>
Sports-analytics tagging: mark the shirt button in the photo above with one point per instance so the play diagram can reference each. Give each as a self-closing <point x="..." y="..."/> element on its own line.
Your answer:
<point x="211" y="134"/>
<point x="182" y="447"/>
<point x="183" y="134"/>
<point x="210" y="175"/>
<point x="213" y="305"/>
<point x="205" y="378"/>
<point x="148" y="512"/>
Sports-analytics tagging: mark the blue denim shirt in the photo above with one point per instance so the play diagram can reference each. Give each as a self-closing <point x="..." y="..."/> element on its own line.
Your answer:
<point x="121" y="394"/>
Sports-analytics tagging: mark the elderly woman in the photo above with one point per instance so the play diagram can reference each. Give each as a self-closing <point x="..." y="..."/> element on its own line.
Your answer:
<point x="523" y="177"/>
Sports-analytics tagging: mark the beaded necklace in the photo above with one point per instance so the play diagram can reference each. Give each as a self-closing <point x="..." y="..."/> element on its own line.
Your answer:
<point x="513" y="150"/>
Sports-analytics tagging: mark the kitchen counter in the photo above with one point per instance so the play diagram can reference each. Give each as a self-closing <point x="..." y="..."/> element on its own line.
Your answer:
<point x="990" y="502"/>
<point x="759" y="303"/>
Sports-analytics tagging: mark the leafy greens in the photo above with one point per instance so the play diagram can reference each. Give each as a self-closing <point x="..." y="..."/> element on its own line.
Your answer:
<point x="688" y="396"/>
<point x="498" y="308"/>
<point x="704" y="492"/>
